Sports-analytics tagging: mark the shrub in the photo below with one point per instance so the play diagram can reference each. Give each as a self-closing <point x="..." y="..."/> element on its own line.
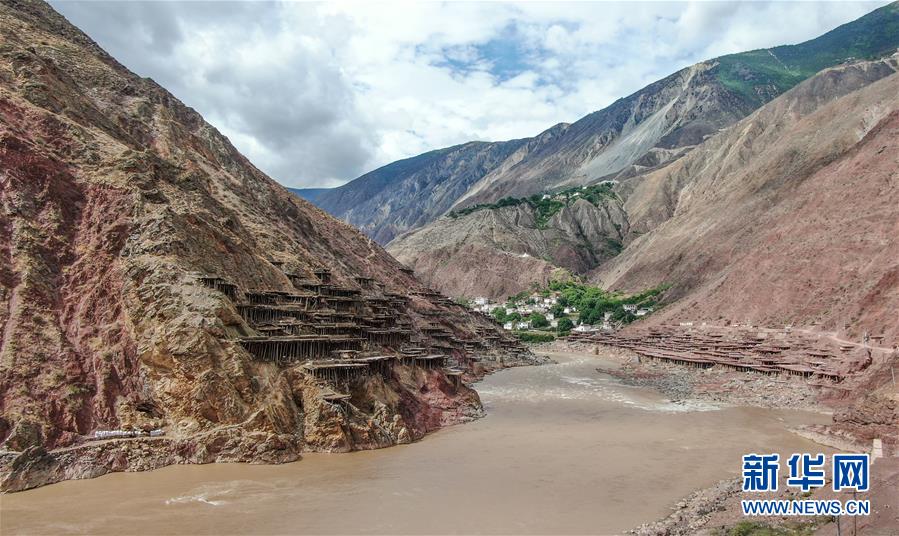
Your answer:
<point x="538" y="321"/>
<point x="565" y="325"/>
<point x="525" y="336"/>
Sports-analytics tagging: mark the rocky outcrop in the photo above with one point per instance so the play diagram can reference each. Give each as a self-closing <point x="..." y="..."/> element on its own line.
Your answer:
<point x="500" y="252"/>
<point x="135" y="238"/>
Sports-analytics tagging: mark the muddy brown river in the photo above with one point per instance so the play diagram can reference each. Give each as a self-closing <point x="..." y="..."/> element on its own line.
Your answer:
<point x="563" y="449"/>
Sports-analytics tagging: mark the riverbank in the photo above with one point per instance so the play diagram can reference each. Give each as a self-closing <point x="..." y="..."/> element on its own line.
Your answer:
<point x="684" y="384"/>
<point x="398" y="407"/>
<point x="563" y="449"/>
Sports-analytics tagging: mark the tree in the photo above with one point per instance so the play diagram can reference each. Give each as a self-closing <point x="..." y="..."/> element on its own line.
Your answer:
<point x="565" y="325"/>
<point x="538" y="321"/>
<point x="499" y="314"/>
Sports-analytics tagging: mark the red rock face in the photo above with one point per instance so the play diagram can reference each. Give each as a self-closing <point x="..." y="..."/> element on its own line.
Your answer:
<point x="789" y="217"/>
<point x="114" y="197"/>
<point x="64" y="283"/>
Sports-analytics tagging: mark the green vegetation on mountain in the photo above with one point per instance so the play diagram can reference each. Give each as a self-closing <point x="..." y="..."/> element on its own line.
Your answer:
<point x="593" y="302"/>
<point x="758" y="75"/>
<point x="546" y="205"/>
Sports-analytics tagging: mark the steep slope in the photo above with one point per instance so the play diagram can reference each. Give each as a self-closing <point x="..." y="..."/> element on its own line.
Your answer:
<point x="152" y="278"/>
<point x="788" y="217"/>
<point x="496" y="251"/>
<point x="653" y="126"/>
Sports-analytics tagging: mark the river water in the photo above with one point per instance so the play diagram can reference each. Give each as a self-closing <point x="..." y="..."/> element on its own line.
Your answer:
<point x="563" y="449"/>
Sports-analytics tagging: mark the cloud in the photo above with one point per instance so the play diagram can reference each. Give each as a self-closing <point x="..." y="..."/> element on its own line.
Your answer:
<point x="317" y="94"/>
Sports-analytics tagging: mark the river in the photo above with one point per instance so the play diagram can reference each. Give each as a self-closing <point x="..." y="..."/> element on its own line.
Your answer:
<point x="563" y="449"/>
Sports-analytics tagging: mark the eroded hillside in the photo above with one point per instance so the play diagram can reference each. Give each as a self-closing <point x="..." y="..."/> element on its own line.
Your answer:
<point x="152" y="279"/>
<point x="788" y="217"/>
<point x="502" y="249"/>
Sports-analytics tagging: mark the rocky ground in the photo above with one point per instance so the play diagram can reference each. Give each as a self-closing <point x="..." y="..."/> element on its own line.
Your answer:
<point x="381" y="413"/>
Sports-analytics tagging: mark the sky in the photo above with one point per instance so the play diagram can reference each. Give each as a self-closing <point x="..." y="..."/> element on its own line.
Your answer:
<point x="316" y="94"/>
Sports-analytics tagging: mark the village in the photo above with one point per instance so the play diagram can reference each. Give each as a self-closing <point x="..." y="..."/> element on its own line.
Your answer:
<point x="564" y="308"/>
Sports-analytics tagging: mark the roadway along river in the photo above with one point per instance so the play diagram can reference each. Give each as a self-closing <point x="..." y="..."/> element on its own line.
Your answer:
<point x="563" y="449"/>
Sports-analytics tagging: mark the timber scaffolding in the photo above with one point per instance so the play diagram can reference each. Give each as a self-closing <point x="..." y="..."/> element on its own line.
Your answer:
<point x="293" y="348"/>
<point x="220" y="284"/>
<point x="322" y="322"/>
<point x="317" y="319"/>
<point x="436" y="298"/>
<point x="323" y="275"/>
<point x="354" y="368"/>
<point x="751" y="351"/>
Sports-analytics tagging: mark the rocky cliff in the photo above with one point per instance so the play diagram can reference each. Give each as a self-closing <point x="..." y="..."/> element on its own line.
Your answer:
<point x="497" y="252"/>
<point x="655" y="125"/>
<point x="153" y="280"/>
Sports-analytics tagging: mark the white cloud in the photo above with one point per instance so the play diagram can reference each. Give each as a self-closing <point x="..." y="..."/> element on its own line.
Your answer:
<point x="316" y="94"/>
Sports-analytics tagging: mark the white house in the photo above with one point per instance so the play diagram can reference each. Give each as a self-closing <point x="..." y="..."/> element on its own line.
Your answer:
<point x="508" y="326"/>
<point x="550" y="316"/>
<point x="584" y="328"/>
<point x="629" y="307"/>
<point x="567" y="310"/>
<point x="606" y="316"/>
<point x="641" y="312"/>
<point x="553" y="323"/>
<point x="480" y="300"/>
<point x="523" y="325"/>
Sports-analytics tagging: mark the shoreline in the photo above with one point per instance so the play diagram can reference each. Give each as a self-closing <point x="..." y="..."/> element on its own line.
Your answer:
<point x="716" y="509"/>
<point x="683" y="384"/>
<point x="516" y="389"/>
<point x="351" y="431"/>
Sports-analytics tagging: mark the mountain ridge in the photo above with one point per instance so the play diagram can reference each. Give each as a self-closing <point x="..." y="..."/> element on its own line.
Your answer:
<point x="705" y="97"/>
<point x="446" y="252"/>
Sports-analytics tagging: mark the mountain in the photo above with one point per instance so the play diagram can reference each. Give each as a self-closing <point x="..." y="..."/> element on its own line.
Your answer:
<point x="625" y="230"/>
<point x="411" y="192"/>
<point x="655" y="125"/>
<point x="153" y="280"/>
<point x="790" y="216"/>
<point x="309" y="194"/>
<point x="501" y="249"/>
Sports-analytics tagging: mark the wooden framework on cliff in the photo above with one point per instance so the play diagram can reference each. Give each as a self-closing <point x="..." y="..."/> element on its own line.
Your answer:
<point x="747" y="351"/>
